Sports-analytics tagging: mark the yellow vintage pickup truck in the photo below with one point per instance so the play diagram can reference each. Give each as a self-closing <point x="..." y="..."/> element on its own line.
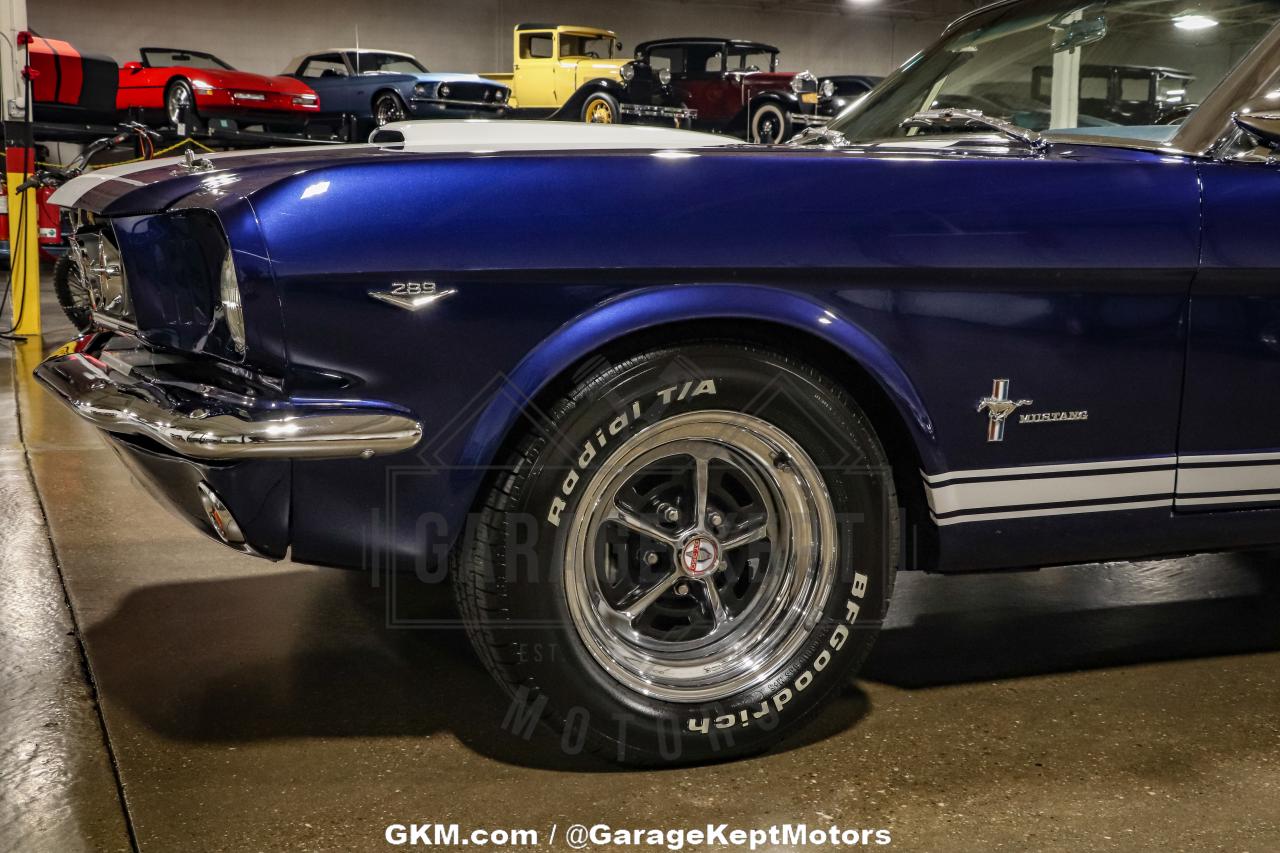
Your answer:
<point x="578" y="74"/>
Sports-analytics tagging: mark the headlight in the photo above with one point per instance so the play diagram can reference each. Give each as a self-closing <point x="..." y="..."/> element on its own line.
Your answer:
<point x="500" y="95"/>
<point x="828" y="88"/>
<point x="627" y="72"/>
<point x="664" y="76"/>
<point x="443" y="91"/>
<point x="422" y="90"/>
<point x="232" y="310"/>
<point x="306" y="100"/>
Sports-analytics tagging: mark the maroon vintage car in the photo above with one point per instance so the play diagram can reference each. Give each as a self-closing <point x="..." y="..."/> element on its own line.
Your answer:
<point x="736" y="87"/>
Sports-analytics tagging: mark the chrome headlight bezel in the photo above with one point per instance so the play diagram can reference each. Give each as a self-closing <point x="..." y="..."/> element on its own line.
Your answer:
<point x="827" y="89"/>
<point x="664" y="76"/>
<point x="627" y="72"/>
<point x="421" y="90"/>
<point x="443" y="90"/>
<point x="231" y="302"/>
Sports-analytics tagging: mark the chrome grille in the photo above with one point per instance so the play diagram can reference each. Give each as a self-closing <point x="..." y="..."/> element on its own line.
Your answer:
<point x="472" y="92"/>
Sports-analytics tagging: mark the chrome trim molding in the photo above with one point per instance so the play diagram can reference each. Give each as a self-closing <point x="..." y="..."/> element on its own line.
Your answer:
<point x="118" y="404"/>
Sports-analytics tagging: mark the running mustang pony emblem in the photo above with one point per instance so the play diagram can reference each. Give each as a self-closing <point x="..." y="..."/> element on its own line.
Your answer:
<point x="998" y="407"/>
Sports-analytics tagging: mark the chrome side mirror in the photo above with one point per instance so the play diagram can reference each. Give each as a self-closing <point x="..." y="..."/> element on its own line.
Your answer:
<point x="1261" y="118"/>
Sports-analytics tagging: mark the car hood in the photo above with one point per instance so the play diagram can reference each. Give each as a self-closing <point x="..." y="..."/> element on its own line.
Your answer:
<point x="154" y="185"/>
<point x="246" y="81"/>
<point x="432" y="77"/>
<point x="589" y="67"/>
<point x="454" y="77"/>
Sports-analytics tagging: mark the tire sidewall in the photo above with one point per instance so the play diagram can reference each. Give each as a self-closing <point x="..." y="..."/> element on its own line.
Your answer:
<point x="580" y="696"/>
<point x="192" y="116"/>
<point x="757" y="116"/>
<point x="608" y="99"/>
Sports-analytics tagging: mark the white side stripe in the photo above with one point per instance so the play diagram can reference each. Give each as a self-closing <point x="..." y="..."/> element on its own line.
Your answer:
<point x="1027" y="491"/>
<point x="1262" y="497"/>
<point x="1064" y="510"/>
<point x="975" y="473"/>
<point x="963" y="497"/>
<point x="1233" y="478"/>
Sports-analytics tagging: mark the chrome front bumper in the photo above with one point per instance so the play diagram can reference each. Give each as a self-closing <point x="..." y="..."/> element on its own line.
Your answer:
<point x="120" y="403"/>
<point x="809" y="119"/>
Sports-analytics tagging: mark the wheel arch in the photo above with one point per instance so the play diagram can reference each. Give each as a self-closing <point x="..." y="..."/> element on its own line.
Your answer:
<point x="741" y="123"/>
<point x="571" y="109"/>
<point x="385" y="90"/>
<point x="790" y="322"/>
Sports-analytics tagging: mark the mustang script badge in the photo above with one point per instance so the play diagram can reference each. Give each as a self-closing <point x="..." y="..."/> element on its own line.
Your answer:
<point x="998" y="408"/>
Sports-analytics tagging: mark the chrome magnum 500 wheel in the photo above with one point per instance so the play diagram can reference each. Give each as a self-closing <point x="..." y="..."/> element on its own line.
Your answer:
<point x="714" y="592"/>
<point x="693" y="553"/>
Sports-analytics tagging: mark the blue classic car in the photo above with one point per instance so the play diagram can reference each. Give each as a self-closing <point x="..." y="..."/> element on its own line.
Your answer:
<point x="672" y="480"/>
<point x="383" y="86"/>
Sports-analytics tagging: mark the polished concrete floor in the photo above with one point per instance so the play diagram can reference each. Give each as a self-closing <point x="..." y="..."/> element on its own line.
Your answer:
<point x="190" y="698"/>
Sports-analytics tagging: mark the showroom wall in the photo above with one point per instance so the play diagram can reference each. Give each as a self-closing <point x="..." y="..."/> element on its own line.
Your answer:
<point x="262" y="35"/>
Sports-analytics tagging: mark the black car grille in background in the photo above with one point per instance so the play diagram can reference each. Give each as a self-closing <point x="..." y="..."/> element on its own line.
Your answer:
<point x="472" y="92"/>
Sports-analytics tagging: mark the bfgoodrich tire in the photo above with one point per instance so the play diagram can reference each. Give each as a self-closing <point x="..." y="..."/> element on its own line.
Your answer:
<point x="684" y="561"/>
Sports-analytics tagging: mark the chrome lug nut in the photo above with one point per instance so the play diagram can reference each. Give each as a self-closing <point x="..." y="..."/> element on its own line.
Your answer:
<point x="668" y="513"/>
<point x="682" y="589"/>
<point x="715" y="519"/>
<point x="650" y="558"/>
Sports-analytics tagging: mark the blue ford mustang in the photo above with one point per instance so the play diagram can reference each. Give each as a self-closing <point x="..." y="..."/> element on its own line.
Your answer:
<point x="382" y="86"/>
<point x="672" y="479"/>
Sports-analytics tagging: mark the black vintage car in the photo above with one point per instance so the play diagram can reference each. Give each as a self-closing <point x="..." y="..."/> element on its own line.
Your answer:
<point x="1125" y="94"/>
<point x="841" y="90"/>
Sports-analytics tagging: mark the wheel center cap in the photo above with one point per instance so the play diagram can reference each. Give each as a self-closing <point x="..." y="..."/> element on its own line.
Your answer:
<point x="699" y="556"/>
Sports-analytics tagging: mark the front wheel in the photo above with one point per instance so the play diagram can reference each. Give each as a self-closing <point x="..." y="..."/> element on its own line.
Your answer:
<point x="387" y="108"/>
<point x="180" y="104"/>
<point x="72" y="293"/>
<point x="686" y="560"/>
<point x="769" y="125"/>
<point x="601" y="108"/>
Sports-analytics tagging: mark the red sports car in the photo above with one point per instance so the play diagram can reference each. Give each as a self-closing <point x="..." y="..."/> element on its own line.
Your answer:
<point x="169" y="80"/>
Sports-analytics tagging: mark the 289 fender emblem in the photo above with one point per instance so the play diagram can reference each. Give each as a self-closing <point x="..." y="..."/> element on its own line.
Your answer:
<point x="629" y="414"/>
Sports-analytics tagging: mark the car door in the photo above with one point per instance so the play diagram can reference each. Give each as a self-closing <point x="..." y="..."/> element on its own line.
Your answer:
<point x="703" y="79"/>
<point x="535" y="70"/>
<point x="330" y="76"/>
<point x="1229" y="443"/>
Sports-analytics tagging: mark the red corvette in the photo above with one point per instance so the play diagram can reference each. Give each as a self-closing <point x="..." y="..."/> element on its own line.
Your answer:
<point x="167" y="80"/>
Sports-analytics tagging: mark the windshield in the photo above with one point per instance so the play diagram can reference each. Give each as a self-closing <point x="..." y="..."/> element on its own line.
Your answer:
<point x="595" y="47"/>
<point x="386" y="63"/>
<point x="1129" y="69"/>
<point x="162" y="57"/>
<point x="751" y="59"/>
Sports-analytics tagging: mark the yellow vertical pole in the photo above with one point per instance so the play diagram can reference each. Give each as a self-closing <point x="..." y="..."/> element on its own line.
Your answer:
<point x="24" y="249"/>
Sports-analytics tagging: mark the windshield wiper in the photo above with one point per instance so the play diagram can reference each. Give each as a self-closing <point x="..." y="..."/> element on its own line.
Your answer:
<point x="953" y="118"/>
<point x="819" y="136"/>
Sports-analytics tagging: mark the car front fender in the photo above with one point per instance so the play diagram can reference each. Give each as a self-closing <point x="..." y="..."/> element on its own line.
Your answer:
<point x="652" y="308"/>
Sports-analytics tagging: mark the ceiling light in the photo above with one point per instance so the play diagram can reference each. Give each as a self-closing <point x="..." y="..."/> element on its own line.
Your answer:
<point x="1194" y="22"/>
